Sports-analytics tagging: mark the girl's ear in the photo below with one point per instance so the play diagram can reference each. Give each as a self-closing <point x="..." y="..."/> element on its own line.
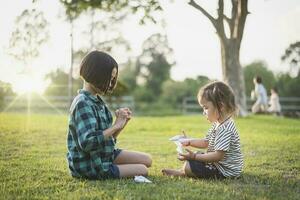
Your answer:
<point x="222" y="108"/>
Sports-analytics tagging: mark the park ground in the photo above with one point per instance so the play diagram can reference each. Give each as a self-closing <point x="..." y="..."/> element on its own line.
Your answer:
<point x="33" y="164"/>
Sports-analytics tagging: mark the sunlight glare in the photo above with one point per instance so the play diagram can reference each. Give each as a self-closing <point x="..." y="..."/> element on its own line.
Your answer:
<point x="27" y="84"/>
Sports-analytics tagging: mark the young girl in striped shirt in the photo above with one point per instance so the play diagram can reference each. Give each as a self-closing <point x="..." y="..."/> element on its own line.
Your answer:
<point x="223" y="157"/>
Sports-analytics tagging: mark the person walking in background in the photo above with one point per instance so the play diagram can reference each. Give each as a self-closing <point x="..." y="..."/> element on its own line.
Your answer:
<point x="260" y="94"/>
<point x="274" y="105"/>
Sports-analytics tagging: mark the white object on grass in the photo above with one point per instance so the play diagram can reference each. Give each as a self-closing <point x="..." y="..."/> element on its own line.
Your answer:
<point x="141" y="179"/>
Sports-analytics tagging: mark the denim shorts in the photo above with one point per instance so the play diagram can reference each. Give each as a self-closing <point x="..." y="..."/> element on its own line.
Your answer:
<point x="114" y="171"/>
<point x="204" y="170"/>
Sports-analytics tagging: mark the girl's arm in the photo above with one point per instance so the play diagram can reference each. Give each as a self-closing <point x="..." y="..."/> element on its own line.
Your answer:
<point x="210" y="157"/>
<point x="198" y="143"/>
<point x="122" y="114"/>
<point x="206" y="157"/>
<point x="115" y="129"/>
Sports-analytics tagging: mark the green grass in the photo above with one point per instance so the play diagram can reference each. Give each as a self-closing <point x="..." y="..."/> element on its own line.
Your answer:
<point x="33" y="164"/>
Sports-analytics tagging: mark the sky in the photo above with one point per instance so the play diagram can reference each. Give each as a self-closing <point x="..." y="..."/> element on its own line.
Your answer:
<point x="270" y="28"/>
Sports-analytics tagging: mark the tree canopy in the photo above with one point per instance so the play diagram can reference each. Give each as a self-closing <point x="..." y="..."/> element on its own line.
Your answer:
<point x="145" y="7"/>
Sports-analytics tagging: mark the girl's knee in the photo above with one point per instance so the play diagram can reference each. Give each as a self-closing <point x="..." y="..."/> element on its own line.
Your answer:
<point x="148" y="160"/>
<point x="143" y="170"/>
<point x="187" y="169"/>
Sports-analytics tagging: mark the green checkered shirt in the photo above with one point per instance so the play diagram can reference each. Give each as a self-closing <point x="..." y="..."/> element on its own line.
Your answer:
<point x="89" y="153"/>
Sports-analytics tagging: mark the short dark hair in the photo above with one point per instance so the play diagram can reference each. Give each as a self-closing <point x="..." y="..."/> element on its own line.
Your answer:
<point x="96" y="68"/>
<point x="258" y="79"/>
<point x="275" y="89"/>
<point x="221" y="95"/>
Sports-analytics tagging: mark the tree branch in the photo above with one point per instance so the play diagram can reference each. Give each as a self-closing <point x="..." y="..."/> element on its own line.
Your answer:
<point x="204" y="12"/>
<point x="243" y="8"/>
<point x="227" y="19"/>
<point x="220" y="20"/>
<point x="239" y="15"/>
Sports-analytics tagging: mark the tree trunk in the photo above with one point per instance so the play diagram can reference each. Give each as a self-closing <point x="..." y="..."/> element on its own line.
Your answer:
<point x="233" y="72"/>
<point x="230" y="45"/>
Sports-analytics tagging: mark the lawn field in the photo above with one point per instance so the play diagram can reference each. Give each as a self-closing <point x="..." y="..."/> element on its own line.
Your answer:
<point x="33" y="164"/>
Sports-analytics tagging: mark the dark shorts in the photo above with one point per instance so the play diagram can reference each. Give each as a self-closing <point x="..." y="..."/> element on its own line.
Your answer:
<point x="204" y="170"/>
<point x="114" y="171"/>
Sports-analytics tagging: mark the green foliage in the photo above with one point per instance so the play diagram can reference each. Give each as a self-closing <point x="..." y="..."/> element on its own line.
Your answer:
<point x="120" y="90"/>
<point x="175" y="91"/>
<point x="59" y="83"/>
<point x="33" y="163"/>
<point x="143" y="94"/>
<point x="30" y="32"/>
<point x="128" y="75"/>
<point x="147" y="7"/>
<point x="158" y="71"/>
<point x="102" y="32"/>
<point x="292" y="56"/>
<point x="258" y="68"/>
<point x="154" y="65"/>
<point x="288" y="86"/>
<point x="5" y="90"/>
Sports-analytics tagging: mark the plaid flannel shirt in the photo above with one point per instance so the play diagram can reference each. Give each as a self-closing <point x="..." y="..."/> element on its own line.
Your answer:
<point x="89" y="153"/>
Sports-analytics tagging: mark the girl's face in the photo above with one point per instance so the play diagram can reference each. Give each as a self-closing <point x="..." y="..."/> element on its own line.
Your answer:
<point x="113" y="77"/>
<point x="211" y="113"/>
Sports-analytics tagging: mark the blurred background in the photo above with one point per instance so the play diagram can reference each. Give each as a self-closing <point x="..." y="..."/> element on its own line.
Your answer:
<point x="166" y="51"/>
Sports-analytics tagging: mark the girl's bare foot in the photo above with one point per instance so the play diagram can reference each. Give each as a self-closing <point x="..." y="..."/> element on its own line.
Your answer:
<point x="172" y="172"/>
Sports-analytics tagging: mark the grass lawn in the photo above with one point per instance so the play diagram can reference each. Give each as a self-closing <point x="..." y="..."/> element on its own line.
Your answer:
<point x="33" y="164"/>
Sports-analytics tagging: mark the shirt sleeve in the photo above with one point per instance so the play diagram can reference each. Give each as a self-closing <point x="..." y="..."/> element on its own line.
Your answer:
<point x="209" y="132"/>
<point x="222" y="140"/>
<point x="89" y="137"/>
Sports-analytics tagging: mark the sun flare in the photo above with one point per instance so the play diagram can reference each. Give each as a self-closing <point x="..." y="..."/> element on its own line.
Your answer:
<point x="26" y="84"/>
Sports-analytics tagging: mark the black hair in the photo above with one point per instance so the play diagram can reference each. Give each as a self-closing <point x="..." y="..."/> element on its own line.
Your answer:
<point x="96" y="68"/>
<point x="258" y="79"/>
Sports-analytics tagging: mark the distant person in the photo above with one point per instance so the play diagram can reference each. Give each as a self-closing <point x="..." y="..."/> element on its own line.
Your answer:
<point x="274" y="105"/>
<point x="223" y="157"/>
<point x="92" y="135"/>
<point x="260" y="94"/>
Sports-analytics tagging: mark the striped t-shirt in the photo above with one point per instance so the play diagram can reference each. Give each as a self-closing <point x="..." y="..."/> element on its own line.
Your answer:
<point x="226" y="138"/>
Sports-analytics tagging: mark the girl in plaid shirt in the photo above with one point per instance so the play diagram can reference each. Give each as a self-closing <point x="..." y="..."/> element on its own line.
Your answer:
<point x="91" y="135"/>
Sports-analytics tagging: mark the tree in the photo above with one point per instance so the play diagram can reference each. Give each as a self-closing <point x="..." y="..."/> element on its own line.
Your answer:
<point x="154" y="64"/>
<point x="288" y="86"/>
<point x="102" y="33"/>
<point x="75" y="7"/>
<point x="230" y="44"/>
<point x="173" y="92"/>
<point x="59" y="83"/>
<point x="28" y="36"/>
<point x="5" y="90"/>
<point x="258" y="68"/>
<point x="146" y="7"/>
<point x="292" y="55"/>
<point x="128" y="74"/>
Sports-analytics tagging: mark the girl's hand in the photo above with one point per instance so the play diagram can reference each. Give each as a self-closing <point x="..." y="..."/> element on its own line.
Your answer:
<point x="123" y="112"/>
<point x="190" y="155"/>
<point x="185" y="142"/>
<point x="123" y="115"/>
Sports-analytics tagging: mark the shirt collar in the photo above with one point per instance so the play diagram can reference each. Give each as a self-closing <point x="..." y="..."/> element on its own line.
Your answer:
<point x="96" y="99"/>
